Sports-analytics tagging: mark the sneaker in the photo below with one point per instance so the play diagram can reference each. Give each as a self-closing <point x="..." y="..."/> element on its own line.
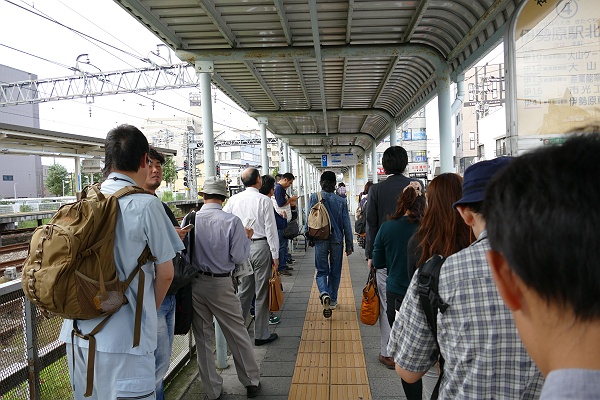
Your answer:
<point x="332" y="305"/>
<point x="326" y="300"/>
<point x="274" y="320"/>
<point x="291" y="261"/>
<point x="285" y="272"/>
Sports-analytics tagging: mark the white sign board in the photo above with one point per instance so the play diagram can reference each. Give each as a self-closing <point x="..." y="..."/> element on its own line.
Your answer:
<point x="338" y="160"/>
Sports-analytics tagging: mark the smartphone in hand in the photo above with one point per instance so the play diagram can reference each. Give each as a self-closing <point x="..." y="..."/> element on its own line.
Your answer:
<point x="188" y="227"/>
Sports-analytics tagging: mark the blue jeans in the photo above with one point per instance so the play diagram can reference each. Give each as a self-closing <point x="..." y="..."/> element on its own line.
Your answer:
<point x="164" y="339"/>
<point x="283" y="251"/>
<point x="328" y="260"/>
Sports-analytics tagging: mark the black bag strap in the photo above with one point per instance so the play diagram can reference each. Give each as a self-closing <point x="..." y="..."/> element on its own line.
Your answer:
<point x="190" y="241"/>
<point x="431" y="302"/>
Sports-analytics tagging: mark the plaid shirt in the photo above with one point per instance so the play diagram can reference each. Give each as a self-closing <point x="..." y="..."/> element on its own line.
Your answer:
<point x="485" y="358"/>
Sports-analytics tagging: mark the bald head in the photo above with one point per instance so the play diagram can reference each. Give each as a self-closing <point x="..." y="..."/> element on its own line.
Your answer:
<point x="251" y="178"/>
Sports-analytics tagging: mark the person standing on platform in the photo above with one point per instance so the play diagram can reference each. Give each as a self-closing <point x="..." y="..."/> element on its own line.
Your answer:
<point x="224" y="243"/>
<point x="329" y="252"/>
<point x="124" y="369"/>
<point x="264" y="251"/>
<point x="484" y="356"/>
<point x="383" y="198"/>
<point x="166" y="312"/>
<point x="542" y="218"/>
<point x="283" y="204"/>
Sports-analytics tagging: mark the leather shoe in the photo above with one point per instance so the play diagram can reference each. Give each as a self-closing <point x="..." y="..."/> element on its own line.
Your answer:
<point x="252" y="391"/>
<point x="387" y="361"/>
<point x="289" y="268"/>
<point x="285" y="272"/>
<point x="260" y="342"/>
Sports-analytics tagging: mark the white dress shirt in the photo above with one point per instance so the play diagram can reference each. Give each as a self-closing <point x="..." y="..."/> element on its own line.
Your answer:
<point x="252" y="204"/>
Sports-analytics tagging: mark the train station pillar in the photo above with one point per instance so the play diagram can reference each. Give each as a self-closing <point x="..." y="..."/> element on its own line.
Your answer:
<point x="262" y="123"/>
<point x="204" y="69"/>
<point x="286" y="158"/>
<point x="393" y="134"/>
<point x="305" y="183"/>
<point x="374" y="161"/>
<point x="445" y="113"/>
<point x="366" y="167"/>
<point x="77" y="174"/>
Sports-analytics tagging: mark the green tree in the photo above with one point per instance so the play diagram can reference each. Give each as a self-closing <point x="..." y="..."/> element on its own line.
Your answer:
<point x="169" y="171"/>
<point x="57" y="174"/>
<point x="275" y="171"/>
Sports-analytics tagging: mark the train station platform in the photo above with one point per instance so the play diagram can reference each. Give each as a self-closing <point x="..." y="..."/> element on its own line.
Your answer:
<point x="314" y="358"/>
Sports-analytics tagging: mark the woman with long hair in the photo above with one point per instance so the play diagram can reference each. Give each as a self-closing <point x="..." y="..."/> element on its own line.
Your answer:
<point x="390" y="251"/>
<point x="442" y="230"/>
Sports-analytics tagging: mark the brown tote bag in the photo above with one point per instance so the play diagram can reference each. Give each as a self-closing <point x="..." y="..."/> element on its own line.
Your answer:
<point x="275" y="292"/>
<point x="369" y="309"/>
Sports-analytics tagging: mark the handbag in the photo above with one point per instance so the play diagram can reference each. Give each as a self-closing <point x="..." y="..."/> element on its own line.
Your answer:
<point x="183" y="270"/>
<point x="184" y="310"/>
<point x="369" y="309"/>
<point x="275" y="292"/>
<point x="292" y="230"/>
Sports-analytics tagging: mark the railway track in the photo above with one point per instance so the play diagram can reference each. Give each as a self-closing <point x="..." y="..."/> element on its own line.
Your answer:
<point x="11" y="248"/>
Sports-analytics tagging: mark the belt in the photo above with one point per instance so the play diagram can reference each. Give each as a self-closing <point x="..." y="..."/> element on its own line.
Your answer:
<point x="223" y="275"/>
<point x="262" y="238"/>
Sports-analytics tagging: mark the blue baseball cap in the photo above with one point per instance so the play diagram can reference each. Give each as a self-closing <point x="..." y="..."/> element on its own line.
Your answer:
<point x="477" y="177"/>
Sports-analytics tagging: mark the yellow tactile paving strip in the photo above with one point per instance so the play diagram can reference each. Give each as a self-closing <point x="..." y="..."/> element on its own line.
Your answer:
<point x="331" y="362"/>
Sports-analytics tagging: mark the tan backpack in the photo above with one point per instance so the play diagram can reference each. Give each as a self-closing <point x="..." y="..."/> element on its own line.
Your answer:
<point x="319" y="226"/>
<point x="70" y="270"/>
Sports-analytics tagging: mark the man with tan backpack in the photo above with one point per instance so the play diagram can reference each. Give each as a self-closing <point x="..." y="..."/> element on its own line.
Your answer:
<point x="117" y="361"/>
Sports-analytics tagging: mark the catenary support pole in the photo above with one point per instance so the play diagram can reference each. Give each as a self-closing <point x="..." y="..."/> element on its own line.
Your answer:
<point x="374" y="162"/>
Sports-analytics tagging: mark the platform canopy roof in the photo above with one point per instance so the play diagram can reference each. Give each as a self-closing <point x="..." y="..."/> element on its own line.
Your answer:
<point x="329" y="74"/>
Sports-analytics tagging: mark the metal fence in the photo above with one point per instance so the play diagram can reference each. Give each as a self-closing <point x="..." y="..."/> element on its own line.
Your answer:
<point x="33" y="363"/>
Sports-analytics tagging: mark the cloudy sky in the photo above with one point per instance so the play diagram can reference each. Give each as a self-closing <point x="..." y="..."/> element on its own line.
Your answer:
<point x="40" y="37"/>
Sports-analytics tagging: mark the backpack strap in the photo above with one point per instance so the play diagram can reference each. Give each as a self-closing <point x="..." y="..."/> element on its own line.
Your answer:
<point x="431" y="302"/>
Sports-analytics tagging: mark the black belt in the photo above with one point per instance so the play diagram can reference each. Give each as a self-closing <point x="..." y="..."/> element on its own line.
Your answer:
<point x="262" y="238"/>
<point x="223" y="275"/>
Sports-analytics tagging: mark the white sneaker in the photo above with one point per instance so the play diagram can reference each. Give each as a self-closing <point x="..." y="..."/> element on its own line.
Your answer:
<point x="326" y="300"/>
<point x="332" y="305"/>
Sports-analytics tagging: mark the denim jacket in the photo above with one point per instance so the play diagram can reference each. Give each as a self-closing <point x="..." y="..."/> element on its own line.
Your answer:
<point x="339" y="218"/>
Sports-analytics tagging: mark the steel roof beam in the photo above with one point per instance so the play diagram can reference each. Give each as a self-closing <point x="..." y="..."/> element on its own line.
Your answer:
<point x="314" y="24"/>
<point x="314" y="113"/>
<point x="416" y="19"/>
<point x="226" y="87"/>
<point x="349" y="21"/>
<point x="218" y="21"/>
<point x="385" y="80"/>
<point x="301" y="79"/>
<point x="262" y="83"/>
<point x="284" y="21"/>
<point x="350" y="135"/>
<point x="304" y="146"/>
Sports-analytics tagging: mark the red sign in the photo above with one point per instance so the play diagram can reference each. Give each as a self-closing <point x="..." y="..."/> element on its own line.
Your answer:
<point x="380" y="171"/>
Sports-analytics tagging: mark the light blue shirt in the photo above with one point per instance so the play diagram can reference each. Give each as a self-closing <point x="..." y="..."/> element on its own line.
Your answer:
<point x="221" y="240"/>
<point x="141" y="221"/>
<point x="572" y="384"/>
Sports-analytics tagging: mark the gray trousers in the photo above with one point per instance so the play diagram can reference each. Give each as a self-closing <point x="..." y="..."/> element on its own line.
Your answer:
<point x="258" y="283"/>
<point x="384" y="325"/>
<point x="216" y="297"/>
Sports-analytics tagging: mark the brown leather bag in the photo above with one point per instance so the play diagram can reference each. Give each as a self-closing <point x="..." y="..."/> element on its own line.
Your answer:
<point x="275" y="292"/>
<point x="369" y="309"/>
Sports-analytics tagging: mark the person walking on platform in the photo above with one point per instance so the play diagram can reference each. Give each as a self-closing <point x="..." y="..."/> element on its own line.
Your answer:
<point x="223" y="244"/>
<point x="166" y="311"/>
<point x="329" y="252"/>
<point x="484" y="356"/>
<point x="383" y="197"/>
<point x="542" y="216"/>
<point x="123" y="370"/>
<point x="264" y="251"/>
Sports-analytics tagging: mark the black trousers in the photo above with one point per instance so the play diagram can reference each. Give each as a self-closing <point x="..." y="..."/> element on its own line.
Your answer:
<point x="413" y="391"/>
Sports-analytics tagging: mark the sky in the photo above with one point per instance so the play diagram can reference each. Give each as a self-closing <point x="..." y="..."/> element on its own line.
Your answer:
<point x="35" y="44"/>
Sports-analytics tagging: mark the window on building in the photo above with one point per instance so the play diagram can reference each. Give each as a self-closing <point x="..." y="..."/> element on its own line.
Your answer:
<point x="480" y="151"/>
<point x="7" y="177"/>
<point x="236" y="155"/>
<point x="471" y="92"/>
<point x="501" y="147"/>
<point x="458" y="141"/>
<point x="472" y="140"/>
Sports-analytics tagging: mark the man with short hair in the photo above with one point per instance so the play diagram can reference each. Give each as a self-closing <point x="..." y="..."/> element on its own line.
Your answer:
<point x="166" y="312"/>
<point x="122" y="369"/>
<point x="477" y="337"/>
<point x="383" y="198"/>
<point x="283" y="204"/>
<point x="264" y="251"/>
<point x="329" y="252"/>
<point x="224" y="243"/>
<point x="542" y="218"/>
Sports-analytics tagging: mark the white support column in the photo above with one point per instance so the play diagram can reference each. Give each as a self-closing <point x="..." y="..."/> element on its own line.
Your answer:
<point x="374" y="161"/>
<point x="204" y="69"/>
<point x="77" y="175"/>
<point x="366" y="167"/>
<point x="393" y="134"/>
<point x="298" y="192"/>
<point x="262" y="123"/>
<point x="307" y="182"/>
<point x="286" y="158"/>
<point x="445" y="113"/>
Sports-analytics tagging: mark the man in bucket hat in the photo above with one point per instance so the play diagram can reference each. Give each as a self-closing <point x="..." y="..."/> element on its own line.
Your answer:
<point x="223" y="243"/>
<point x="476" y="334"/>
